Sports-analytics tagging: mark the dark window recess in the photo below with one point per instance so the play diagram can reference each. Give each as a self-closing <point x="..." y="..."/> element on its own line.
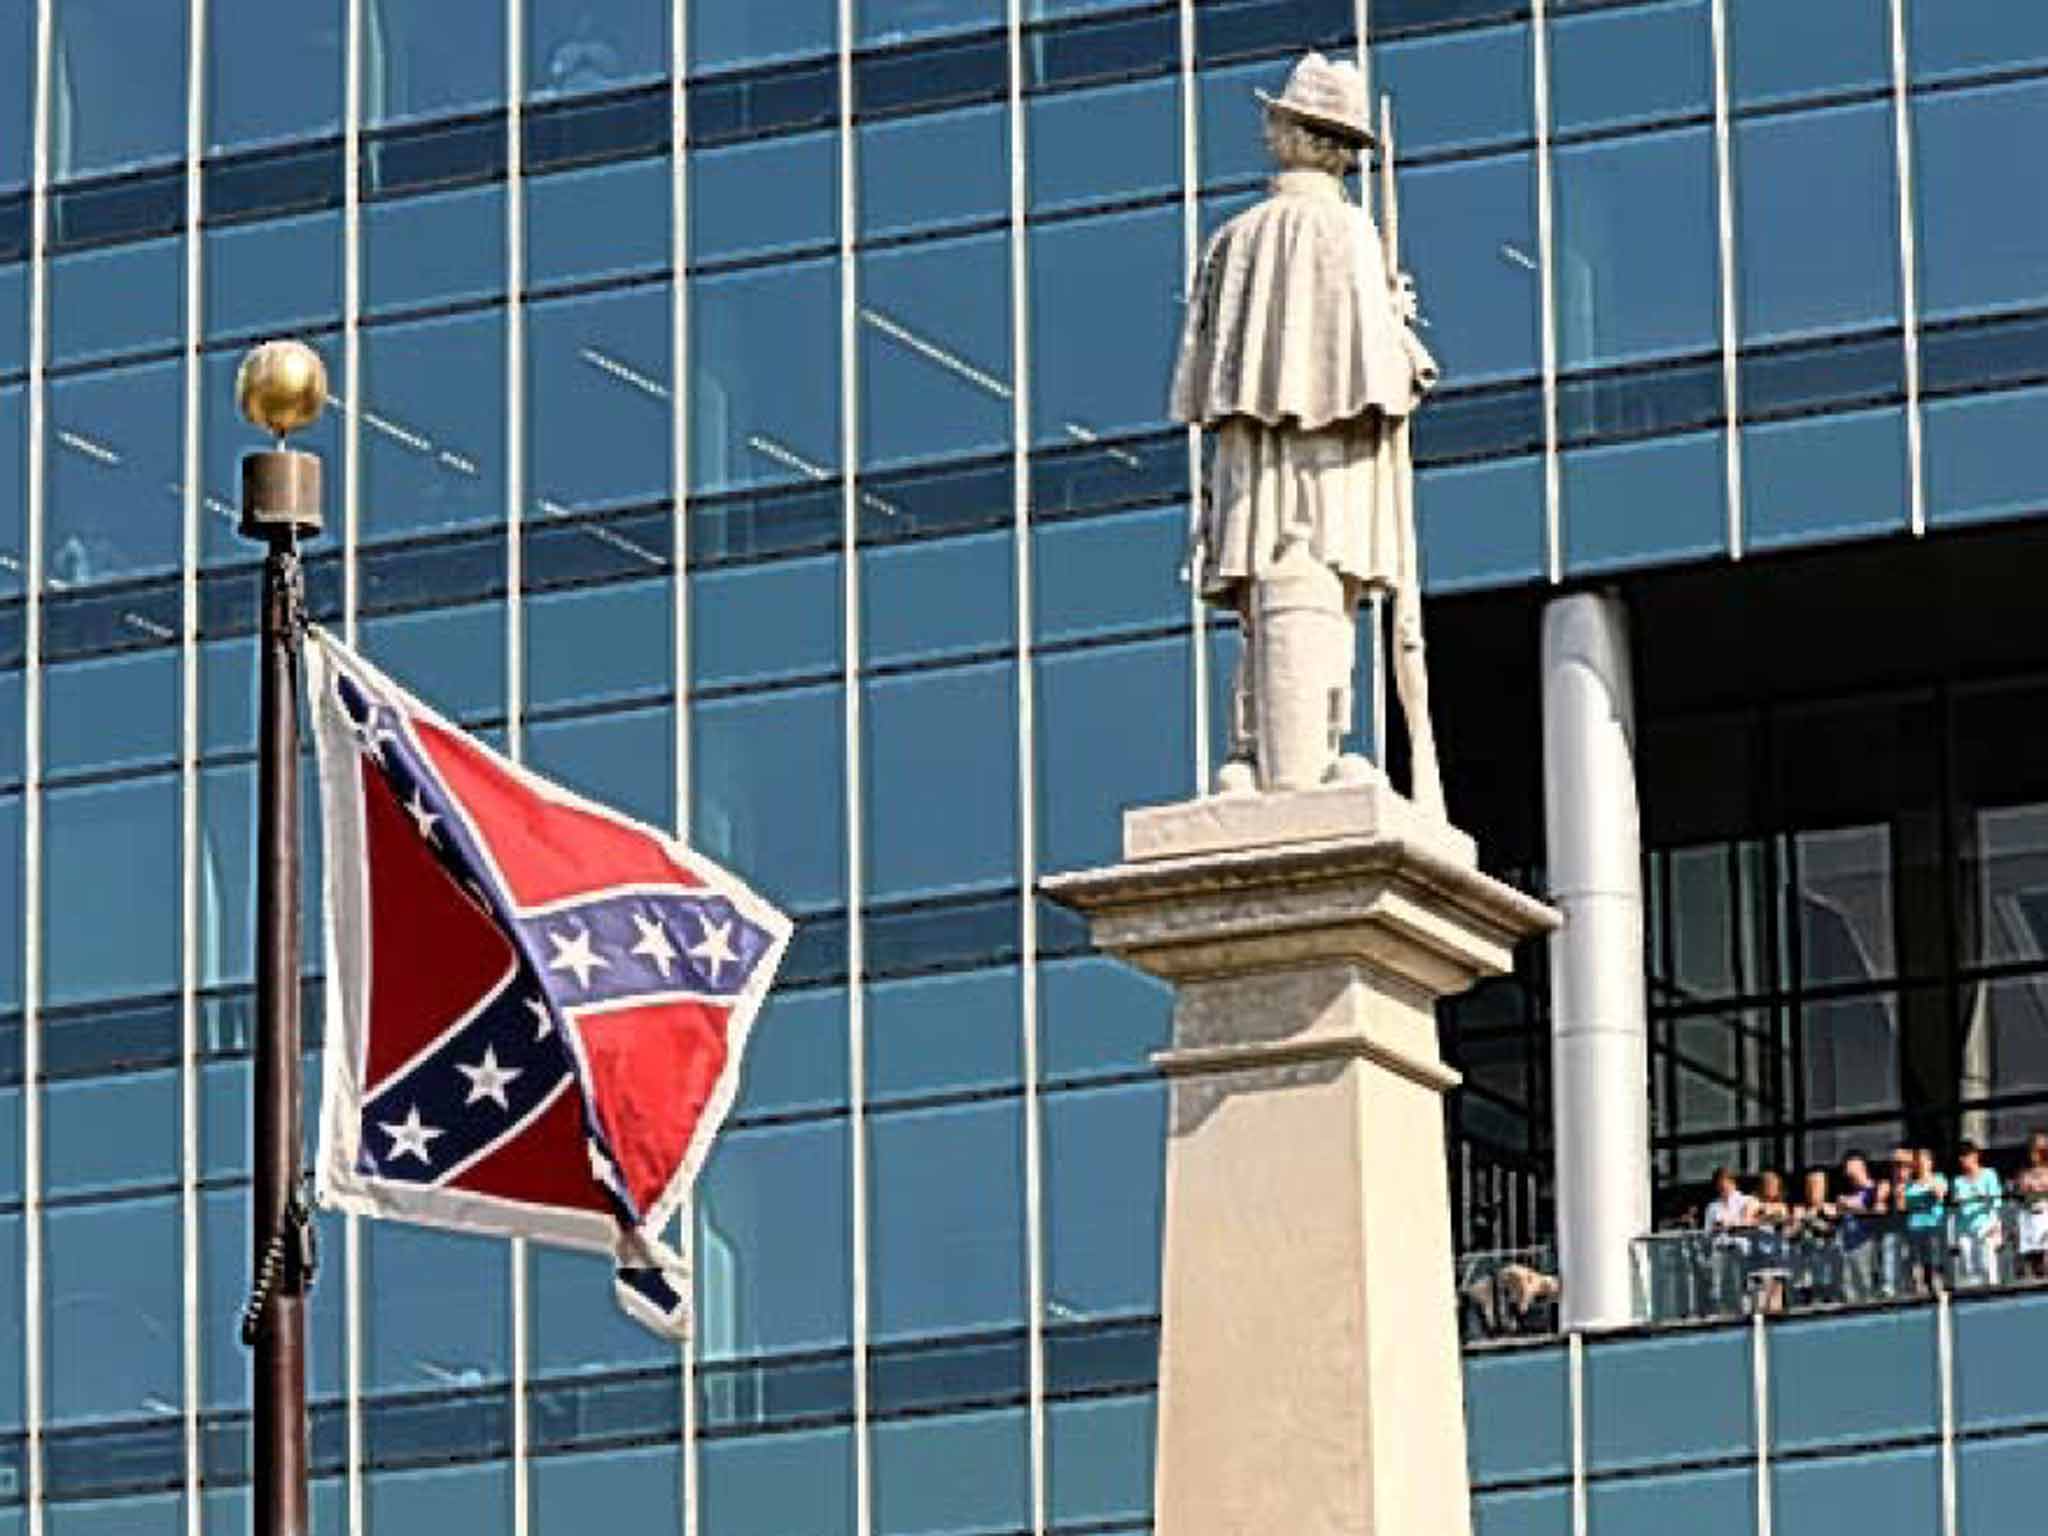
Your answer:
<point x="816" y="953"/>
<point x="228" y="599"/>
<point x="1481" y="424"/>
<point x="1099" y="50"/>
<point x="1100" y="477"/>
<point x="621" y="127"/>
<point x="135" y="207"/>
<point x="582" y="1415"/>
<point x="263" y="186"/>
<point x="133" y="1457"/>
<point x="465" y="569"/>
<point x="749" y="1396"/>
<point x="1229" y="29"/>
<point x="587" y="551"/>
<point x="1390" y="18"/>
<point x="88" y="1042"/>
<point x="779" y="522"/>
<point x="117" y="619"/>
<point x="964" y="496"/>
<point x="1640" y="403"/>
<point x="949" y="1374"/>
<point x="1984" y="354"/>
<point x="1062" y="932"/>
<point x="916" y="79"/>
<point x="415" y="158"/>
<point x="13" y="633"/>
<point x="774" y="101"/>
<point x="1827" y="376"/>
<point x="1113" y="1357"/>
<point x="461" y="1426"/>
<point x="224" y="1445"/>
<point x="14" y="227"/>
<point x="227" y="1019"/>
<point x="912" y="940"/>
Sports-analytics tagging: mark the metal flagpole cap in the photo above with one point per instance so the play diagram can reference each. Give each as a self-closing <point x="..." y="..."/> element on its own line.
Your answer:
<point x="281" y="387"/>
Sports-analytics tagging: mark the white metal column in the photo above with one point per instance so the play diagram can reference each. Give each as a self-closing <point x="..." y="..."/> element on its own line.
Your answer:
<point x="1600" y="1039"/>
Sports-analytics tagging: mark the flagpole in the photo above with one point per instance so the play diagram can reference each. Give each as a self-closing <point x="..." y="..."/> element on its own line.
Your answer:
<point x="281" y="387"/>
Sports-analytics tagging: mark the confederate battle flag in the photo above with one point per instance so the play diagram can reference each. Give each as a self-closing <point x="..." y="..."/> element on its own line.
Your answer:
<point x="536" y="1007"/>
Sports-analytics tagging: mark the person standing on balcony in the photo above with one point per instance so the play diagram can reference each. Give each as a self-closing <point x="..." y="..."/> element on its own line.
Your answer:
<point x="1730" y="1222"/>
<point x="1976" y="1195"/>
<point x="1925" y="1195"/>
<point x="1861" y="1209"/>
<point x="2030" y="1188"/>
<point x="1816" y="1256"/>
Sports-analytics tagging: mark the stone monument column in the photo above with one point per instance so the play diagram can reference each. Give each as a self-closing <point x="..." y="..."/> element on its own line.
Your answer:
<point x="1309" y="1376"/>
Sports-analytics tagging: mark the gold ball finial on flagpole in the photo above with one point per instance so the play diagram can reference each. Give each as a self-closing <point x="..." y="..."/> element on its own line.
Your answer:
<point x="281" y="387"/>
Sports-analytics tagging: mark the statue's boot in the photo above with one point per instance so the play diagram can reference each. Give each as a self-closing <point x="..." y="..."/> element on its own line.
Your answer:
<point x="1302" y="658"/>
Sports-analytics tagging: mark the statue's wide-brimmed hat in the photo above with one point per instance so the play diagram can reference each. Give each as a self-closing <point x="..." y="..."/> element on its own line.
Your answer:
<point x="1329" y="98"/>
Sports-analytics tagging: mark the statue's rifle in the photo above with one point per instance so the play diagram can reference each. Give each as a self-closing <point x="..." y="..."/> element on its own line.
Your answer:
<point x="1399" y="450"/>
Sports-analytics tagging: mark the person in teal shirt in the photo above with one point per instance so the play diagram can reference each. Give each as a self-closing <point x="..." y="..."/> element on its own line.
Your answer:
<point x="1922" y="1199"/>
<point x="1976" y="1195"/>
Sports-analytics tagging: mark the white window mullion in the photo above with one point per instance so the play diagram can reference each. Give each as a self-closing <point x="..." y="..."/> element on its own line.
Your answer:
<point x="1190" y="254"/>
<point x="1546" y="281"/>
<point x="1724" y="209"/>
<point x="1909" y="267"/>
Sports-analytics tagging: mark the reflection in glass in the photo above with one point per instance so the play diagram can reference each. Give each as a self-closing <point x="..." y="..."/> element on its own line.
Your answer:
<point x="764" y="375"/>
<point x="118" y="75"/>
<point x="17" y="106"/>
<point x="933" y="169"/>
<point x="766" y="792"/>
<point x="1469" y="231"/>
<point x="432" y="424"/>
<point x="1817" y="222"/>
<point x="728" y="36"/>
<point x="946" y="1213"/>
<point x="115" y="468"/>
<point x="598" y="400"/>
<point x="892" y="21"/>
<point x="1091" y="278"/>
<point x="1637" y="270"/>
<point x="773" y="1242"/>
<point x="934" y="352"/>
<point x="442" y="1317"/>
<point x="272" y="71"/>
<point x="423" y="61"/>
<point x="131" y="826"/>
<point x="578" y="46"/>
<point x="112" y="1325"/>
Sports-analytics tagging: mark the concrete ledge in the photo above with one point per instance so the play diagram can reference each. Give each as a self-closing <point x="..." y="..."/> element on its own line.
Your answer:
<point x="1238" y="823"/>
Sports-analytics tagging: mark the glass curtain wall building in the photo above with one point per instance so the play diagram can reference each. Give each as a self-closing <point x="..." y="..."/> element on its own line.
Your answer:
<point x="753" y="414"/>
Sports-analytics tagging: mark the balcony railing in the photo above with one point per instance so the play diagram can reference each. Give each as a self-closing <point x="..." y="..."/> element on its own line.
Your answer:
<point x="1507" y="1293"/>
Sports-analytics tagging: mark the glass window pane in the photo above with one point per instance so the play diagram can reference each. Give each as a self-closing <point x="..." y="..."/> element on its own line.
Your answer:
<point x="1893" y="1494"/>
<point x="1095" y="576"/>
<point x="425" y="61"/>
<point x="272" y="71"/>
<point x="17" y="105"/>
<point x="1457" y="90"/>
<point x="575" y="46"/>
<point x="1641" y="64"/>
<point x="764" y="374"/>
<point x="577" y="1323"/>
<point x="1980" y="246"/>
<point x="1697" y="1501"/>
<point x="1851" y="1054"/>
<point x="1817" y="222"/>
<point x="454" y="658"/>
<point x="1098" y="1454"/>
<point x="1979" y="456"/>
<point x="935" y="1034"/>
<point x="751" y="623"/>
<point x="729" y="216"/>
<point x="116" y="299"/>
<point x="1468" y="231"/>
<point x="1480" y="524"/>
<point x="1105" y="144"/>
<point x="891" y="21"/>
<point x="1639" y="502"/>
<point x="771" y="1485"/>
<point x="1520" y="1409"/>
<point x="600" y="222"/>
<point x="774" y="1242"/>
<point x="640" y="1490"/>
<point x="935" y="168"/>
<point x="112" y="1324"/>
<point x="13" y="493"/>
<point x="115" y="465"/>
<point x="1097" y="1016"/>
<point x="796" y="1053"/>
<point x="1668" y="1399"/>
<point x="10" y="899"/>
<point x="1964" y="36"/>
<point x="1546" y="1512"/>
<point x="1778" y="52"/>
<point x="111" y="712"/>
<point x="111" y="1133"/>
<point x="1637" y="270"/>
<point x="929" y="598"/>
<point x="440" y="1499"/>
<point x="277" y="275"/>
<point x="156" y="1514"/>
<point x="1998" y="1381"/>
<point x="433" y="249"/>
<point x="724" y="36"/>
<point x="625" y="761"/>
<point x="131" y="826"/>
<point x="598" y="399"/>
<point x="964" y="1472"/>
<point x="1104" y="323"/>
<point x="1231" y="140"/>
<point x="767" y="795"/>
<point x="1998" y="1484"/>
<point x="443" y="1315"/>
<point x="1097" y="756"/>
<point x="940" y="750"/>
<point x="1836" y="1381"/>
<point x="589" y="645"/>
<point x="433" y="429"/>
<point x="947" y="1207"/>
<point x="934" y="352"/>
<point x="1105" y="1160"/>
<point x="1823" y="478"/>
<point x="224" y="1273"/>
<point x="119" y="76"/>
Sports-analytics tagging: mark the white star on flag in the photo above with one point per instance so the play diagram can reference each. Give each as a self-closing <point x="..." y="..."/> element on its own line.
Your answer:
<point x="654" y="943"/>
<point x="422" y="818"/>
<point x="576" y="955"/>
<point x="716" y="950"/>
<point x="488" y="1080"/>
<point x="544" y="1022"/>
<point x="409" y="1138"/>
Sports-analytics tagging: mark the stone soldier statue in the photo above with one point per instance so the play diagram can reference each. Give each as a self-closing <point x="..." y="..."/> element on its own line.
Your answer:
<point x="1300" y="360"/>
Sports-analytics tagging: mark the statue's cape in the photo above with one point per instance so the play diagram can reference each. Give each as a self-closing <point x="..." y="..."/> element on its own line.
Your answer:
<point x="1291" y="321"/>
